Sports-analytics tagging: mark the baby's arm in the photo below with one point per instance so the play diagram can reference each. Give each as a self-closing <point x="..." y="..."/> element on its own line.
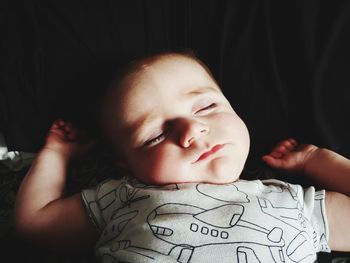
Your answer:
<point x="338" y="214"/>
<point x="327" y="168"/>
<point x="42" y="212"/>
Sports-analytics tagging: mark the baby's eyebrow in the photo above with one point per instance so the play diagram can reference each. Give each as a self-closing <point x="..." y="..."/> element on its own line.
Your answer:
<point x="201" y="90"/>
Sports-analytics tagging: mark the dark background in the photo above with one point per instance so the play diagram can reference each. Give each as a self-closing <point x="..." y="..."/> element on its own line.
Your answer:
<point x="284" y="65"/>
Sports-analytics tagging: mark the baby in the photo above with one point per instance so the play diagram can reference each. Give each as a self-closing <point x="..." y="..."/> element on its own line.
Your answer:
<point x="183" y="148"/>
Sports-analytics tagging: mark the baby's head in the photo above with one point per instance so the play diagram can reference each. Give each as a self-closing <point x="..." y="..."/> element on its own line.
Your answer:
<point x="169" y="122"/>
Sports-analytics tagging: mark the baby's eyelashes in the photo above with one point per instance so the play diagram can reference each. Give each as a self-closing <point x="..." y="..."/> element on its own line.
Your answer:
<point x="157" y="139"/>
<point x="206" y="109"/>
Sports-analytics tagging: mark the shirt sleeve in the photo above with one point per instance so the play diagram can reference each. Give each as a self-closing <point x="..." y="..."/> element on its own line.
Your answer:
<point x="316" y="208"/>
<point x="100" y="202"/>
<point x="313" y="207"/>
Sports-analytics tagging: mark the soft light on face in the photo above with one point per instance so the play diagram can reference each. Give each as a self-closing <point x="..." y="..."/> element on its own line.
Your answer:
<point x="178" y="126"/>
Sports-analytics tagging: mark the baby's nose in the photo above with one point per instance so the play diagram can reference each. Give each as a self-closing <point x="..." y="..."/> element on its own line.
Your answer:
<point x="192" y="130"/>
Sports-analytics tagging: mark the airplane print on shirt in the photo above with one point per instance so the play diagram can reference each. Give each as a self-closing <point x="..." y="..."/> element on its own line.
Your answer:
<point x="242" y="224"/>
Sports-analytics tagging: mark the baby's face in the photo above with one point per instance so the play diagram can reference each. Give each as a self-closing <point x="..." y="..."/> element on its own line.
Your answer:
<point x="177" y="126"/>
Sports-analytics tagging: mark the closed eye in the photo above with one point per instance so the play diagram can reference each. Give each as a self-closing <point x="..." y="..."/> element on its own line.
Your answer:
<point x="206" y="109"/>
<point x="155" y="140"/>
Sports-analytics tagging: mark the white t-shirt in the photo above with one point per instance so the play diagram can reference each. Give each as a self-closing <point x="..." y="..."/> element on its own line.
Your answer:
<point x="245" y="221"/>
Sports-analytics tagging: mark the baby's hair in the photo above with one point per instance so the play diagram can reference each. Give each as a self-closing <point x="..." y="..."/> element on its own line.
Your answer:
<point x="142" y="62"/>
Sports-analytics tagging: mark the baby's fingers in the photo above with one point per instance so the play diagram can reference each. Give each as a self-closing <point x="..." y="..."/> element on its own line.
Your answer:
<point x="277" y="157"/>
<point x="71" y="131"/>
<point x="290" y="144"/>
<point x="273" y="162"/>
<point x="285" y="146"/>
<point x="56" y="129"/>
<point x="65" y="130"/>
<point x="58" y="124"/>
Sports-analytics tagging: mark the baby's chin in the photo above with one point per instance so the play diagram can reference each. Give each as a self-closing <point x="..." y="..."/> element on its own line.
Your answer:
<point x="219" y="171"/>
<point x="217" y="178"/>
<point x="222" y="171"/>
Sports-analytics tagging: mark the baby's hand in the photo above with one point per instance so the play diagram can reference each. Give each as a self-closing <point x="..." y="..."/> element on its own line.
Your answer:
<point x="65" y="139"/>
<point x="289" y="156"/>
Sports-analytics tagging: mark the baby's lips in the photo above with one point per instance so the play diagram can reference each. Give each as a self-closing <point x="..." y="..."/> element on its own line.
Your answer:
<point x="213" y="150"/>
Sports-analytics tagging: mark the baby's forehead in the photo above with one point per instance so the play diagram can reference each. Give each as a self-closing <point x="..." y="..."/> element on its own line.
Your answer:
<point x="145" y="79"/>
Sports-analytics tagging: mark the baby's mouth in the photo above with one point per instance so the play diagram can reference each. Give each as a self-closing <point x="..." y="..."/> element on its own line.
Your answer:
<point x="213" y="150"/>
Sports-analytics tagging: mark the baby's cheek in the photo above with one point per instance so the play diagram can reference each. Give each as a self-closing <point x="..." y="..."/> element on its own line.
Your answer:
<point x="232" y="124"/>
<point x="162" y="166"/>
